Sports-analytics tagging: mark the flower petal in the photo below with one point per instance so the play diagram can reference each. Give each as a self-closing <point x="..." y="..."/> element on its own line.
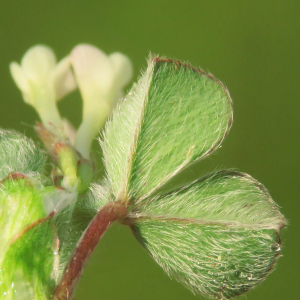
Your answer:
<point x="38" y="62"/>
<point x="122" y="67"/>
<point x="93" y="70"/>
<point x="63" y="78"/>
<point x="20" y="80"/>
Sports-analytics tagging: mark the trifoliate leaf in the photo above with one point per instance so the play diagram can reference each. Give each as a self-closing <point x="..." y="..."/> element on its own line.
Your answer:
<point x="174" y="115"/>
<point x="19" y="154"/>
<point x="28" y="269"/>
<point x="218" y="236"/>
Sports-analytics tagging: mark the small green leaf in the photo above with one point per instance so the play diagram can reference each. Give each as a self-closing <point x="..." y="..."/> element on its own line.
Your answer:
<point x="224" y="196"/>
<point x="28" y="270"/>
<point x="21" y="204"/>
<point x="218" y="235"/>
<point x="173" y="116"/>
<point x="19" y="154"/>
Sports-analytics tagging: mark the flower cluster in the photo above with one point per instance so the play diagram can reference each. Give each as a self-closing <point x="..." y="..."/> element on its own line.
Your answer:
<point x="100" y="78"/>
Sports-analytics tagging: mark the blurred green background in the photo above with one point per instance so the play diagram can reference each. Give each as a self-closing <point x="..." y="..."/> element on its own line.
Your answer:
<point x="252" y="46"/>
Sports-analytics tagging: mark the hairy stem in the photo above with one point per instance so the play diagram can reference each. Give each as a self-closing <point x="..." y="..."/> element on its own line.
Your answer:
<point x="109" y="213"/>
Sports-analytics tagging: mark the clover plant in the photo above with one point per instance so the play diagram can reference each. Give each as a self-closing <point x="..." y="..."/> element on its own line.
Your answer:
<point x="218" y="235"/>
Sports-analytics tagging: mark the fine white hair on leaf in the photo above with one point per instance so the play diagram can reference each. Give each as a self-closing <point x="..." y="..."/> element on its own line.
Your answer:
<point x="213" y="261"/>
<point x="188" y="114"/>
<point x="121" y="132"/>
<point x="19" y="154"/>
<point x="218" y="235"/>
<point x="57" y="200"/>
<point x="26" y="271"/>
<point x="226" y="197"/>
<point x="21" y="204"/>
<point x="173" y="116"/>
<point x="102" y="193"/>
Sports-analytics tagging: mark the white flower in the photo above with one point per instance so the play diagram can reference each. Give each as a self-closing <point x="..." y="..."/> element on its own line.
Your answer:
<point x="101" y="79"/>
<point x="43" y="82"/>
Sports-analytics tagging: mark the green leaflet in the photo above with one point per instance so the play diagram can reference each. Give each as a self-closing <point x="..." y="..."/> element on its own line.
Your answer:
<point x="21" y="204"/>
<point x="27" y="271"/>
<point x="218" y="236"/>
<point x="174" y="115"/>
<point x="214" y="261"/>
<point x="19" y="154"/>
<point x="229" y="197"/>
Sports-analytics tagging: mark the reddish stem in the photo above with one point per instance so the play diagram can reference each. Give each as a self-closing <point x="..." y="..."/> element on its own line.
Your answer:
<point x="100" y="223"/>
